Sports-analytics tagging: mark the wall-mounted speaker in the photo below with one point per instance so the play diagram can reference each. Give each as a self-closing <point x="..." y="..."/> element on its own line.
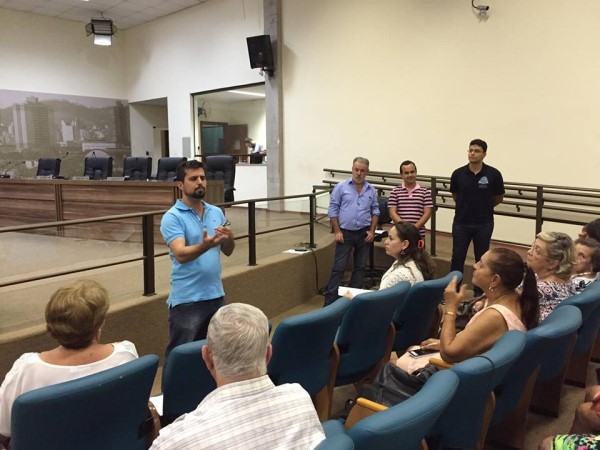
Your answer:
<point x="260" y="52"/>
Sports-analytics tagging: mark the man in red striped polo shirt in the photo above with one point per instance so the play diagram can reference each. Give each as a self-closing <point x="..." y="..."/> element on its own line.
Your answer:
<point x="410" y="202"/>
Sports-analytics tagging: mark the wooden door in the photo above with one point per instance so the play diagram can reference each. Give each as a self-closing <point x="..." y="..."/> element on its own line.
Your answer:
<point x="233" y="140"/>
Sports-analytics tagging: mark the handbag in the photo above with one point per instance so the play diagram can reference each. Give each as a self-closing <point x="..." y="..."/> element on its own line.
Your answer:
<point x="393" y="385"/>
<point x="465" y="313"/>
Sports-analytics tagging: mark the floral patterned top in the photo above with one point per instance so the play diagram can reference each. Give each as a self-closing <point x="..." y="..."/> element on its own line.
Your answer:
<point x="551" y="294"/>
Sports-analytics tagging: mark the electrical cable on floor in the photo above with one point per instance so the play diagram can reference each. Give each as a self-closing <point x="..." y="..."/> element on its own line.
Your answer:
<point x="312" y="250"/>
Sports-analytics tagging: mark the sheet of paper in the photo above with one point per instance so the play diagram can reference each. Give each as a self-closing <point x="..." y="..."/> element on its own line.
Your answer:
<point x="158" y="403"/>
<point x="354" y="291"/>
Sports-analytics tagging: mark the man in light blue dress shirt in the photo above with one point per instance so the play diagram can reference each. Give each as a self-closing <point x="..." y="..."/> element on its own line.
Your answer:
<point x="353" y="212"/>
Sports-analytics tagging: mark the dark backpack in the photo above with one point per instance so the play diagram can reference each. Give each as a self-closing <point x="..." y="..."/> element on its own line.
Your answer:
<point x="393" y="385"/>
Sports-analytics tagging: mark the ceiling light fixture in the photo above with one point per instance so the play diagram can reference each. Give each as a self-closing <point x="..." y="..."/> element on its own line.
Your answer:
<point x="252" y="94"/>
<point x="102" y="29"/>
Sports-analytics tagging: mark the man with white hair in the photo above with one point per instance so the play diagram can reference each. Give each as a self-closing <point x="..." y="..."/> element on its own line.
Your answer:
<point x="246" y="410"/>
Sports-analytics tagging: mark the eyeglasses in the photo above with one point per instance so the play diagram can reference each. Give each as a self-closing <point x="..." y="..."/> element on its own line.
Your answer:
<point x="537" y="249"/>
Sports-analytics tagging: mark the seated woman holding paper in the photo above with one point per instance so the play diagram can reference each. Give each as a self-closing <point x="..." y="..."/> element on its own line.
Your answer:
<point x="499" y="272"/>
<point x="412" y="263"/>
<point x="75" y="316"/>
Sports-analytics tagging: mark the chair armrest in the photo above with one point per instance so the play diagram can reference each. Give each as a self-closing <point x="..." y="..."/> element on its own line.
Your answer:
<point x="440" y="363"/>
<point x="362" y="409"/>
<point x="153" y="434"/>
<point x="370" y="404"/>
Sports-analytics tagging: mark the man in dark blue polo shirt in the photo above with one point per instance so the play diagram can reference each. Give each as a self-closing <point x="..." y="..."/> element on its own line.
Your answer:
<point x="353" y="212"/>
<point x="476" y="189"/>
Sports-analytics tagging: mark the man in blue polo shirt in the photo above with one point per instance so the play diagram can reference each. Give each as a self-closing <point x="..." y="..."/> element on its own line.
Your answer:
<point x="476" y="189"/>
<point x="353" y="212"/>
<point x="196" y="234"/>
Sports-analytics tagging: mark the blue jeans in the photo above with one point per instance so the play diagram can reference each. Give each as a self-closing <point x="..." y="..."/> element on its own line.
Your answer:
<point x="462" y="235"/>
<point x="353" y="240"/>
<point x="188" y="322"/>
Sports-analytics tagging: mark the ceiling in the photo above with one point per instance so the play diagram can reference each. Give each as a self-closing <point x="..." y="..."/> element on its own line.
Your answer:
<point x="124" y="13"/>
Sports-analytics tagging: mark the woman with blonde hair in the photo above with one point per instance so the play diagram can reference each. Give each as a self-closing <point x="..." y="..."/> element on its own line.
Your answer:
<point x="552" y="257"/>
<point x="75" y="316"/>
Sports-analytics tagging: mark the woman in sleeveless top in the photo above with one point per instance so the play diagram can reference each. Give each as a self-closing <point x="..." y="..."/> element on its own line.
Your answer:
<point x="75" y="317"/>
<point x="499" y="273"/>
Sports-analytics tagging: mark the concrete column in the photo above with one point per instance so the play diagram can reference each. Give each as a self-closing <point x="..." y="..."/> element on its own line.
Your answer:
<point x="273" y="103"/>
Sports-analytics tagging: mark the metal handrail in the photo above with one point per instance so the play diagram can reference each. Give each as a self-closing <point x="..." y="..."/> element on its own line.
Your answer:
<point x="542" y="203"/>
<point x="148" y="252"/>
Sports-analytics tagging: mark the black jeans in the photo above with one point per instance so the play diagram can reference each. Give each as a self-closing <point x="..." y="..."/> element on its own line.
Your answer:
<point x="353" y="240"/>
<point x="462" y="235"/>
<point x="188" y="322"/>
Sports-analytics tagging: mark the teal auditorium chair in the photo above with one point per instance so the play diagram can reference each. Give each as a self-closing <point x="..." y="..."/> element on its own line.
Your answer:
<point x="513" y="396"/>
<point x="304" y="352"/>
<point x="464" y="423"/>
<point x="366" y="334"/>
<point x="589" y="303"/>
<point x="106" y="410"/>
<point x="553" y="368"/>
<point x="336" y="442"/>
<point x="415" y="314"/>
<point x="186" y="381"/>
<point x="403" y="426"/>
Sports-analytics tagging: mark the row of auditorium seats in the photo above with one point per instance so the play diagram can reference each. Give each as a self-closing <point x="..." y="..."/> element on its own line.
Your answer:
<point x="333" y="346"/>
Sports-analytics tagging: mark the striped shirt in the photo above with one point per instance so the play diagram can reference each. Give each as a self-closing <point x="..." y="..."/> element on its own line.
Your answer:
<point x="411" y="205"/>
<point x="250" y="414"/>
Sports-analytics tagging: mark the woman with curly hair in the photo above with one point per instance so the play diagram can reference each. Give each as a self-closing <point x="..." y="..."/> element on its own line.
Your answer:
<point x="552" y="257"/>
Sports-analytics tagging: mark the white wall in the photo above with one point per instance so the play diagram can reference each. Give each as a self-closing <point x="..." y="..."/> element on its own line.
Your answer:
<point x="146" y="121"/>
<point x="253" y="114"/>
<point x="199" y="49"/>
<point x="405" y="79"/>
<point x="389" y="80"/>
<point x="45" y="54"/>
